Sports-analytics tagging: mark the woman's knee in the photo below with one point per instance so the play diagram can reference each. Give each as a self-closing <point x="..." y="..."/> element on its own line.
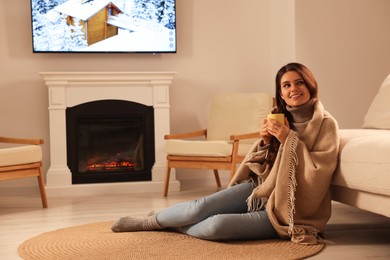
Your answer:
<point x="212" y="228"/>
<point x="198" y="209"/>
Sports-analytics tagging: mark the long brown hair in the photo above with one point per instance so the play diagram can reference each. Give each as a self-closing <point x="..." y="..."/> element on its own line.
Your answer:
<point x="311" y="85"/>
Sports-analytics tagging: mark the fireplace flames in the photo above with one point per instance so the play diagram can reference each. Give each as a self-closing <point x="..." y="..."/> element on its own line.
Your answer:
<point x="111" y="166"/>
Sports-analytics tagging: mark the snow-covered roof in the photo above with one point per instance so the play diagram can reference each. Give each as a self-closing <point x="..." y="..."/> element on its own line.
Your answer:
<point x="81" y="11"/>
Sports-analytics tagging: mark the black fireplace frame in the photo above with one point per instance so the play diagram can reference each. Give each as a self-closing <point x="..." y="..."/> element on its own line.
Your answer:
<point x="110" y="109"/>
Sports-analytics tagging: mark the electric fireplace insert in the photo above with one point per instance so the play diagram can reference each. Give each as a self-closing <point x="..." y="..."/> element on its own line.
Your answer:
<point x="110" y="141"/>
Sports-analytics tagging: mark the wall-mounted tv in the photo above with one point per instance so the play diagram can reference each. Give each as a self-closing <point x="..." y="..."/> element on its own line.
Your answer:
<point x="119" y="26"/>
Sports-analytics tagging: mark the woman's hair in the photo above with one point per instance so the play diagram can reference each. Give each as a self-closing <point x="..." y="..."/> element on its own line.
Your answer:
<point x="311" y="85"/>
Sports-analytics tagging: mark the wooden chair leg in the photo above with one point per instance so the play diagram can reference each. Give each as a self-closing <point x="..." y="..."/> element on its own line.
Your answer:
<point x="217" y="180"/>
<point x="42" y="189"/>
<point x="167" y="177"/>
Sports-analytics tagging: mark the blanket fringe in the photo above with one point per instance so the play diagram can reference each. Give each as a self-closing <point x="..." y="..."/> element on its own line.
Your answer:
<point x="306" y="235"/>
<point x="254" y="203"/>
<point x="292" y="184"/>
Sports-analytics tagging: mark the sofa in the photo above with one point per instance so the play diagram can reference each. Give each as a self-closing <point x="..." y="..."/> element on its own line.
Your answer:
<point x="362" y="178"/>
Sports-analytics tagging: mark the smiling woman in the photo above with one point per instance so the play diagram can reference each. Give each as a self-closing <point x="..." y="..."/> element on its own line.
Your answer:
<point x="282" y="187"/>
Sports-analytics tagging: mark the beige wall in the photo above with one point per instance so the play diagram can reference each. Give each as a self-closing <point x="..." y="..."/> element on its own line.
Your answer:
<point x="347" y="45"/>
<point x="223" y="46"/>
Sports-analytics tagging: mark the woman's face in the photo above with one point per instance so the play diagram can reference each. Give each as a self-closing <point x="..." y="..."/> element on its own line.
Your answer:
<point x="293" y="89"/>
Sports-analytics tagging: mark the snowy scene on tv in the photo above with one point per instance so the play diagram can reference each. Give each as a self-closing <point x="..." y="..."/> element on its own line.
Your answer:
<point x="103" y="25"/>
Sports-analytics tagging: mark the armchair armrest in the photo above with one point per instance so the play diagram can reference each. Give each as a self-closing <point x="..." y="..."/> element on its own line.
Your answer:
<point x="199" y="133"/>
<point x="236" y="142"/>
<point x="245" y="136"/>
<point x="12" y="140"/>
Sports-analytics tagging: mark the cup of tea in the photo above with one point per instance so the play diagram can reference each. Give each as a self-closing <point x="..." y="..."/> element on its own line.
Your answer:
<point x="277" y="117"/>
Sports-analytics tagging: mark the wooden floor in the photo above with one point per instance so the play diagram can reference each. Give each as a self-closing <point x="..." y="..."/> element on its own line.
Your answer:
<point x="356" y="234"/>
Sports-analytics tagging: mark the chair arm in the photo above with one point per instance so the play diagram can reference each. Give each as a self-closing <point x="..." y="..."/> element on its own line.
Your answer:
<point x="236" y="142"/>
<point x="202" y="132"/>
<point x="245" y="136"/>
<point x="12" y="140"/>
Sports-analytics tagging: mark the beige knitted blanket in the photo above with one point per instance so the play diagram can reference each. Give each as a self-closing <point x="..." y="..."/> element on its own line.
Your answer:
<point x="295" y="191"/>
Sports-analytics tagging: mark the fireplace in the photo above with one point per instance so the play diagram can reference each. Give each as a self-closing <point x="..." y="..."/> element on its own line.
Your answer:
<point x="102" y="108"/>
<point x="110" y="141"/>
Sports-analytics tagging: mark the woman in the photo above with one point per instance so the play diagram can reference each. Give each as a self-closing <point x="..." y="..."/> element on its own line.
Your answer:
<point x="282" y="187"/>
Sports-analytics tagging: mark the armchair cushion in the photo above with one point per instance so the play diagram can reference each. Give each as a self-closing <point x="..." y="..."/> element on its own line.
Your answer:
<point x="20" y="155"/>
<point x="204" y="148"/>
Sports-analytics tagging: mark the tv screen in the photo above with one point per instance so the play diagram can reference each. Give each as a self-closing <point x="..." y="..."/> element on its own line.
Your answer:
<point x="144" y="26"/>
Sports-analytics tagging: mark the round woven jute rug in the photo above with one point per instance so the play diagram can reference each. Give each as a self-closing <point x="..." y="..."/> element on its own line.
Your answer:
<point x="97" y="241"/>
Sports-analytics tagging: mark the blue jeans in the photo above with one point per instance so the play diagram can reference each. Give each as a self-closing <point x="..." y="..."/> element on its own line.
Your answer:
<point x="220" y="216"/>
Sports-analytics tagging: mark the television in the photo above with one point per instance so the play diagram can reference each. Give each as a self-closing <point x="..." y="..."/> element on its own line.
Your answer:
<point x="103" y="26"/>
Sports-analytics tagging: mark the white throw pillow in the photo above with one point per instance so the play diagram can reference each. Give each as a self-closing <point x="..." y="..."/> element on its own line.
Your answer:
<point x="378" y="114"/>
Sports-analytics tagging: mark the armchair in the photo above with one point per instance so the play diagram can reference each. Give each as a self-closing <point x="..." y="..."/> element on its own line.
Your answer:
<point x="234" y="123"/>
<point x="22" y="161"/>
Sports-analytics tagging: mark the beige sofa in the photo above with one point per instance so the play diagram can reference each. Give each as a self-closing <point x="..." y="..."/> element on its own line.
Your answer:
<point x="362" y="179"/>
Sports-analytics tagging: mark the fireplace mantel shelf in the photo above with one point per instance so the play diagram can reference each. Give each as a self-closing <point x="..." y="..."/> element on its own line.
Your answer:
<point x="67" y="89"/>
<point x="116" y="77"/>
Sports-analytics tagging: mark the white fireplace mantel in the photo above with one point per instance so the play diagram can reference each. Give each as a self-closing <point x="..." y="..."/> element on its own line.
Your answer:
<point x="68" y="89"/>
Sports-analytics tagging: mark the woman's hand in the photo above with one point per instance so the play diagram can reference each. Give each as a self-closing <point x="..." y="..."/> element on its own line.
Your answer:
<point x="274" y="128"/>
<point x="264" y="134"/>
